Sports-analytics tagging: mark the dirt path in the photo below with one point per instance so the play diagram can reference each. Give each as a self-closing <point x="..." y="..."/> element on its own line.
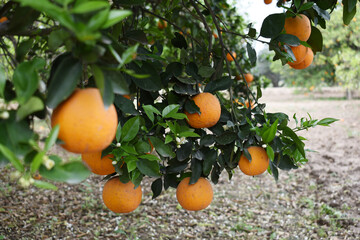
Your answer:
<point x="319" y="201"/>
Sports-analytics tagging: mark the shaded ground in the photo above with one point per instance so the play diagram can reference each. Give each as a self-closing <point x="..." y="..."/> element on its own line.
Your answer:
<point x="319" y="201"/>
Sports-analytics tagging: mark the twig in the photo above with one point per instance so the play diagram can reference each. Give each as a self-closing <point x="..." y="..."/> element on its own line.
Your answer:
<point x="205" y="24"/>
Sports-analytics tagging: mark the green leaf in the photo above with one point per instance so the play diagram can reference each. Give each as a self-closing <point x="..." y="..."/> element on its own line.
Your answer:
<point x="351" y="5"/>
<point x="206" y="72"/>
<point x="269" y="134"/>
<point x="23" y="48"/>
<point x="130" y="129"/>
<point x="116" y="16"/>
<point x="222" y="83"/>
<point x="45" y="185"/>
<point x="299" y="144"/>
<point x="184" y="151"/>
<point x="118" y="132"/>
<point x="152" y="81"/>
<point x="163" y="149"/>
<point x="272" y="25"/>
<point x="72" y="172"/>
<point x="64" y="80"/>
<point x="251" y="53"/>
<point x="196" y="170"/>
<point x="118" y="82"/>
<point x="104" y="86"/>
<point x="188" y="134"/>
<point x="51" y="139"/>
<point x="270" y="152"/>
<point x="289" y="39"/>
<point x="36" y="162"/>
<point x="326" y="121"/>
<point x="179" y="41"/>
<point x="156" y="187"/>
<point x="209" y="160"/>
<point x="34" y="104"/>
<point x="170" y="110"/>
<point x="128" y="54"/>
<point x="26" y="79"/>
<point x="12" y="158"/>
<point x="306" y="6"/>
<point x="129" y="149"/>
<point x="150" y="110"/>
<point x="148" y="168"/>
<point x="226" y="138"/>
<point x="150" y="157"/>
<point x="2" y="80"/>
<point x="98" y="20"/>
<point x="315" y="40"/>
<point x="348" y="15"/>
<point x="191" y="107"/>
<point x="89" y="6"/>
<point x="125" y="105"/>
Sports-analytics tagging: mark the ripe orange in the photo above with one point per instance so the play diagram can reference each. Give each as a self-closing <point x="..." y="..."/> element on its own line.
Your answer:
<point x="85" y="124"/>
<point x="210" y="111"/>
<point x="196" y="196"/>
<point x="121" y="197"/>
<point x="267" y="1"/>
<point x="161" y="24"/>
<point x="3" y="19"/>
<point x="304" y="63"/>
<point x="215" y="35"/>
<point x="259" y="161"/>
<point x="299" y="26"/>
<point x="249" y="77"/>
<point x="229" y="57"/>
<point x="98" y="165"/>
<point x="299" y="53"/>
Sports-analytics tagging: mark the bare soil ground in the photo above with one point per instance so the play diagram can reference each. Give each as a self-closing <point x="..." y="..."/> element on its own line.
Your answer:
<point x="319" y="201"/>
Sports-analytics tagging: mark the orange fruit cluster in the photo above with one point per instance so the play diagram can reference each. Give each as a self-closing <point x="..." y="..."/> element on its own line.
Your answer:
<point x="300" y="26"/>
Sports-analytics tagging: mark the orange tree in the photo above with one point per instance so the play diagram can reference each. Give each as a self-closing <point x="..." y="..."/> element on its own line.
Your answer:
<point x="150" y="59"/>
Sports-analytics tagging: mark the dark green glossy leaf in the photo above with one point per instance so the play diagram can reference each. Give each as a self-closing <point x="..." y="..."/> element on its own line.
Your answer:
<point x="226" y="138"/>
<point x="348" y="15"/>
<point x="149" y="168"/>
<point x="89" y="6"/>
<point x="206" y="72"/>
<point x="163" y="149"/>
<point x="326" y="121"/>
<point x="191" y="107"/>
<point x="219" y="84"/>
<point x="209" y="160"/>
<point x="196" y="170"/>
<point x="156" y="187"/>
<point x="184" y="151"/>
<point x="125" y="105"/>
<point x="150" y="83"/>
<point x="251" y="53"/>
<point x="64" y="80"/>
<point x="272" y="25"/>
<point x="130" y="129"/>
<point x="315" y="40"/>
<point x="179" y="41"/>
<point x="288" y="39"/>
